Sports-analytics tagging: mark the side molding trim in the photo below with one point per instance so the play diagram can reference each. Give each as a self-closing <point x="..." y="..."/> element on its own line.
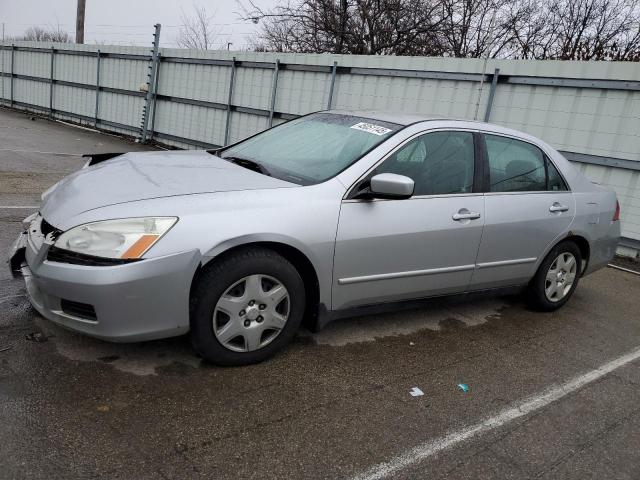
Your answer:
<point x="412" y="273"/>
<point x="504" y="263"/>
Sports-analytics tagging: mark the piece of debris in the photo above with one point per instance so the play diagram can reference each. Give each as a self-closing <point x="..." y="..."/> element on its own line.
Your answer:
<point x="109" y="358"/>
<point x="411" y="344"/>
<point x="103" y="408"/>
<point x="464" y="387"/>
<point x="4" y="349"/>
<point x="37" y="337"/>
<point x="416" y="392"/>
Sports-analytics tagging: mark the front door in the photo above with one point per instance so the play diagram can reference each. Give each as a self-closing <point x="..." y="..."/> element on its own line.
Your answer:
<point x="427" y="245"/>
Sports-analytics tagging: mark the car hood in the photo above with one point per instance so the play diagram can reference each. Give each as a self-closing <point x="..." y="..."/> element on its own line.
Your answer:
<point x="144" y="175"/>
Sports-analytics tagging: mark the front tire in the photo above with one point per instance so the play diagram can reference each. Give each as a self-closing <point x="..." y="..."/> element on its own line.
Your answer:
<point x="246" y="307"/>
<point x="556" y="278"/>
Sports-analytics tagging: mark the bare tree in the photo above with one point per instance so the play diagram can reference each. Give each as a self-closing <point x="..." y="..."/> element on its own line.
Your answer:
<point x="540" y="29"/>
<point x="48" y="34"/>
<point x="589" y="29"/>
<point x="478" y="28"/>
<point x="401" y="27"/>
<point x="196" y="31"/>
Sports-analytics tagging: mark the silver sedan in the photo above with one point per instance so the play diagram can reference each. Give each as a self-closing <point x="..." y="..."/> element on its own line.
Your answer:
<point x="328" y="215"/>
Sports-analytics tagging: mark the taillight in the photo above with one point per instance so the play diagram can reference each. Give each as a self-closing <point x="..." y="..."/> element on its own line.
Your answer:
<point x="616" y="216"/>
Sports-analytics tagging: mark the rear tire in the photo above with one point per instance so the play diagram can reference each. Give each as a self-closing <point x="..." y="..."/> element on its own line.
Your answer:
<point x="556" y="278"/>
<point x="246" y="307"/>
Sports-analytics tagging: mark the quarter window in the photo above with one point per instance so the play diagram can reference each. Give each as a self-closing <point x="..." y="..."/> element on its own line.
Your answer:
<point x="555" y="180"/>
<point x="439" y="163"/>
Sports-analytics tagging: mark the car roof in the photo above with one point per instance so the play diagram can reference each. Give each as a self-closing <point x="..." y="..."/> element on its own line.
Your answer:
<point x="406" y="119"/>
<point x="392" y="117"/>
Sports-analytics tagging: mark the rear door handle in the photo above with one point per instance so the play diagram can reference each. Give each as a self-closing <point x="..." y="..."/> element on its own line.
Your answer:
<point x="464" y="214"/>
<point x="558" y="207"/>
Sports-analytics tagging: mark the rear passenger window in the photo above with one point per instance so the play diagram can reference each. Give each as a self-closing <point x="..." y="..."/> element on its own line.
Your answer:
<point x="514" y="166"/>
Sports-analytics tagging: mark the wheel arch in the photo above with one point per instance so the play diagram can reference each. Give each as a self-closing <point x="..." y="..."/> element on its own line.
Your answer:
<point x="579" y="240"/>
<point x="583" y="245"/>
<point x="284" y="247"/>
<point x="575" y="237"/>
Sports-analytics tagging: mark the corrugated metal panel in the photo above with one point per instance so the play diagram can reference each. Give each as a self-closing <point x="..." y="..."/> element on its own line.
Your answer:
<point x="34" y="64"/>
<point x="202" y="82"/>
<point x="598" y="122"/>
<point x="190" y="121"/>
<point x="253" y="88"/>
<point x="302" y="92"/>
<point x="76" y="100"/>
<point x="244" y="125"/>
<point x="75" y="68"/>
<point x="122" y="73"/>
<point x="31" y="92"/>
<point x="120" y="108"/>
<point x="595" y="121"/>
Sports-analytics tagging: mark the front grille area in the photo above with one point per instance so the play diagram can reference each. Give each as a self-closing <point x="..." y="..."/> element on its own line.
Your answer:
<point x="65" y="256"/>
<point x="77" y="309"/>
<point x="46" y="228"/>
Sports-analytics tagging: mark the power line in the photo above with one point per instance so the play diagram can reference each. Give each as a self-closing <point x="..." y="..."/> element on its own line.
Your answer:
<point x="125" y="26"/>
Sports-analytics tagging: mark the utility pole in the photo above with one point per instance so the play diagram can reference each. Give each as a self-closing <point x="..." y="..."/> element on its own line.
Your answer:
<point x="80" y="21"/>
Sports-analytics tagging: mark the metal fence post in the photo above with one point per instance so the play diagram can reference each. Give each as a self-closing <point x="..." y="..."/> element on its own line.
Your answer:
<point x="333" y="82"/>
<point x="13" y="49"/>
<point x="274" y="86"/>
<point x="53" y="53"/>
<point x="95" y="115"/>
<point x="492" y="92"/>
<point x="155" y="98"/>
<point x="3" y="73"/>
<point x="231" y="82"/>
<point x="151" y="81"/>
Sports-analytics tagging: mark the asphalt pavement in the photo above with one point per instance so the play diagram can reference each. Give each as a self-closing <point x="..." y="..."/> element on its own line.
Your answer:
<point x="553" y="395"/>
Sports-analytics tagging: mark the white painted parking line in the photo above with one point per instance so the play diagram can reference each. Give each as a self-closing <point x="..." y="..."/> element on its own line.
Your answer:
<point x="61" y="154"/>
<point x="628" y="270"/>
<point x="19" y="207"/>
<point x="524" y="407"/>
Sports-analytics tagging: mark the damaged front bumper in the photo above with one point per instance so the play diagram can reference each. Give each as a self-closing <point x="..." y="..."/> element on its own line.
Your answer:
<point x="136" y="301"/>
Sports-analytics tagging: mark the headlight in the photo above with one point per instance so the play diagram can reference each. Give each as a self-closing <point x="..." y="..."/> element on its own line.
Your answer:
<point x="124" y="238"/>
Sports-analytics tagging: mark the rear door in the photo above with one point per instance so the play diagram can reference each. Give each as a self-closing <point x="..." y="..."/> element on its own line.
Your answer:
<point x="527" y="207"/>
<point x="426" y="245"/>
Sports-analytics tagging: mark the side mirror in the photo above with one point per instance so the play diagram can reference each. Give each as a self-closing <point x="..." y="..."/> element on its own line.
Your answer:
<point x="391" y="186"/>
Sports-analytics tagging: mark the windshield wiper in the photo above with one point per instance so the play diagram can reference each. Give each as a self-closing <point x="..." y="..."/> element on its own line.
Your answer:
<point x="249" y="164"/>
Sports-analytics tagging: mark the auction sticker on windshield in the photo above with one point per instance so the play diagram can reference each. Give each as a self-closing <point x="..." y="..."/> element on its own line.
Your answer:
<point x="371" y="128"/>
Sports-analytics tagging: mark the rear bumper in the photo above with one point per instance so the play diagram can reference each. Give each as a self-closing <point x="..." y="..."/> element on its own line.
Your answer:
<point x="137" y="301"/>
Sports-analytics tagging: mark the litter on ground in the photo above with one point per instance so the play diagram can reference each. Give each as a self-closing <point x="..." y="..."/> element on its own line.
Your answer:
<point x="416" y="392"/>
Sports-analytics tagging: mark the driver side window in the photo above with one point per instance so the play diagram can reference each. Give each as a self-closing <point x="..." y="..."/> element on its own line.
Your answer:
<point x="439" y="163"/>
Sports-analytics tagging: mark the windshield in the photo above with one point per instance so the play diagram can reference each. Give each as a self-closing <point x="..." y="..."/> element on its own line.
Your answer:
<point x="311" y="149"/>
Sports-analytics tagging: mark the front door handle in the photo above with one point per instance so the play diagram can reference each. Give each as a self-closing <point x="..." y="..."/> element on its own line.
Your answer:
<point x="558" y="207"/>
<point x="464" y="214"/>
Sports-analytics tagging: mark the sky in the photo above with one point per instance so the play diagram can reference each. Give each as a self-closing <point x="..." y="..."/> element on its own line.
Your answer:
<point x="130" y="22"/>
